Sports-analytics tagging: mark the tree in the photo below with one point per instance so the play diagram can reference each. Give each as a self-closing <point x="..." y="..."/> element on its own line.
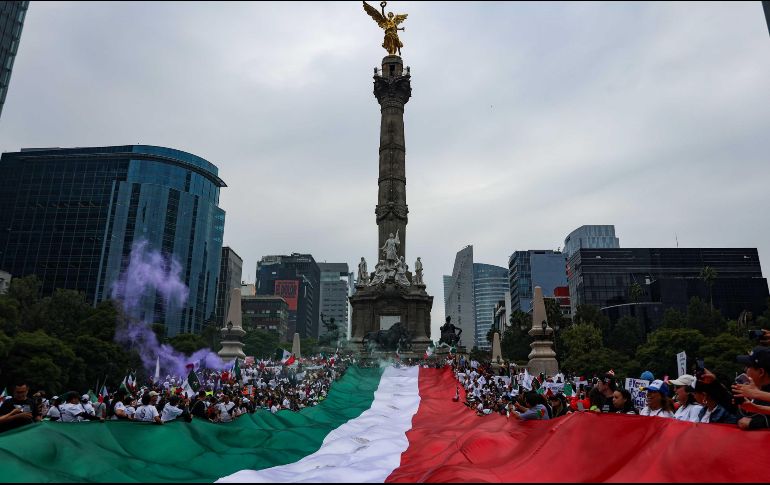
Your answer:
<point x="719" y="354"/>
<point x="658" y="355"/>
<point x="480" y="355"/>
<point x="160" y="331"/>
<point x="708" y="275"/>
<point x="627" y="335"/>
<point x="553" y="313"/>
<point x="635" y="292"/>
<point x="187" y="343"/>
<point x="592" y="315"/>
<point x="44" y="361"/>
<point x="673" y="318"/>
<point x="704" y="318"/>
<point x="260" y="343"/>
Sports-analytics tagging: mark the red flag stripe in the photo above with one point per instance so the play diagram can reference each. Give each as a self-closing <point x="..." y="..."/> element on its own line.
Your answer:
<point x="449" y="443"/>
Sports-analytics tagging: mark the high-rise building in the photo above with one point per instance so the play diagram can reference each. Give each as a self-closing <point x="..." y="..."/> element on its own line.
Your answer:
<point x="230" y="272"/>
<point x="11" y="23"/>
<point x="269" y="313"/>
<point x="490" y="285"/>
<point x="528" y="269"/>
<point x="297" y="279"/>
<point x="71" y="216"/>
<point x="447" y="289"/>
<point x="667" y="278"/>
<point x="590" y="237"/>
<point x="334" y="296"/>
<point x="5" y="282"/>
<point x="460" y="304"/>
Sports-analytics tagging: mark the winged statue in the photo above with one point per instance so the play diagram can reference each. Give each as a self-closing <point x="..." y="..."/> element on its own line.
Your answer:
<point x="389" y="23"/>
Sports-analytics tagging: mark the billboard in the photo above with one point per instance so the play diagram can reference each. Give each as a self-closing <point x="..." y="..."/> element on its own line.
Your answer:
<point x="289" y="290"/>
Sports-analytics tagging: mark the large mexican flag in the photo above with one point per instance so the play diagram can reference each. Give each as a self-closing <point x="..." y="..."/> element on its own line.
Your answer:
<point x="391" y="425"/>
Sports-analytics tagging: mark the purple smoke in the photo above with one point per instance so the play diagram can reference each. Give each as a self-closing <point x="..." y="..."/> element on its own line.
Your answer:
<point x="149" y="272"/>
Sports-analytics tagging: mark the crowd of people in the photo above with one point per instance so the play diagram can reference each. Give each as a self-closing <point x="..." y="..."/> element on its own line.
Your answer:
<point x="488" y="388"/>
<point x="702" y="399"/>
<point x="221" y="398"/>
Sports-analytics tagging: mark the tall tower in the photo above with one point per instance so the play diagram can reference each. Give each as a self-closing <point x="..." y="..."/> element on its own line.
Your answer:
<point x="390" y="307"/>
<point x="392" y="87"/>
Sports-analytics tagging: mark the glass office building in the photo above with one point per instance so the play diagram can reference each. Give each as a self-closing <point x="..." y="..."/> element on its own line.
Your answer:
<point x="528" y="269"/>
<point x="590" y="237"/>
<point x="71" y="216"/>
<point x="669" y="278"/>
<point x="11" y="23"/>
<point x="490" y="285"/>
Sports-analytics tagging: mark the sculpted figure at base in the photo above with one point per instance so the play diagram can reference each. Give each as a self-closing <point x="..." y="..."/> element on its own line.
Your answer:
<point x="387" y="340"/>
<point x="389" y="249"/>
<point x="418" y="272"/>
<point x="448" y="335"/>
<point x="363" y="276"/>
<point x="401" y="269"/>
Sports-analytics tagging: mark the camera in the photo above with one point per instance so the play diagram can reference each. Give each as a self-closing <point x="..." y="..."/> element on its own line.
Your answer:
<point x="755" y="334"/>
<point x="699" y="368"/>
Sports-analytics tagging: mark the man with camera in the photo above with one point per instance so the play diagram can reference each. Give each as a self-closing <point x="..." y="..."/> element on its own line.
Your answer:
<point x="754" y="395"/>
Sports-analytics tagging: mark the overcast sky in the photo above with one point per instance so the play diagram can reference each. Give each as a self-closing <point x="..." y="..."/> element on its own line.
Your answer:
<point x="526" y="121"/>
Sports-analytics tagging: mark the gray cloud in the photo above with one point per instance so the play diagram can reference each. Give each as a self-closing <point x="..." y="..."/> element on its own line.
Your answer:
<point x="527" y="119"/>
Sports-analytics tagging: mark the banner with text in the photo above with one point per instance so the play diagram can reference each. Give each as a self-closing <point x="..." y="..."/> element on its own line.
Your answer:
<point x="289" y="290"/>
<point x="634" y="386"/>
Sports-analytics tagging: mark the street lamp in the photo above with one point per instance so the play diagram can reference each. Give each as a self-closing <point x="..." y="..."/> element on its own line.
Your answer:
<point x="544" y="324"/>
<point x="229" y="328"/>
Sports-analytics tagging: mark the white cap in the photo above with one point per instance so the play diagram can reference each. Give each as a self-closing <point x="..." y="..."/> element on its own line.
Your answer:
<point x="84" y="397"/>
<point x="683" y="380"/>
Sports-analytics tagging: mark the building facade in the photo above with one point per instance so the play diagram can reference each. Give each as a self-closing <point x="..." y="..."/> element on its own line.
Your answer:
<point x="268" y="313"/>
<point x="527" y="269"/>
<point x="590" y="237"/>
<point x="71" y="216"/>
<point x="335" y="288"/>
<point x="11" y="24"/>
<point x="668" y="278"/>
<point x="460" y="303"/>
<point x="447" y="288"/>
<point x="297" y="279"/>
<point x="230" y="272"/>
<point x="490" y="285"/>
<point x="5" y="282"/>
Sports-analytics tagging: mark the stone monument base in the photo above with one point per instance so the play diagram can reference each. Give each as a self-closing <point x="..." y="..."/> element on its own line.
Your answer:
<point x="378" y="307"/>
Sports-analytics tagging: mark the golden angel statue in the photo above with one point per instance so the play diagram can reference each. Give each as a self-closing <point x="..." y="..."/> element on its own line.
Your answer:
<point x="389" y="23"/>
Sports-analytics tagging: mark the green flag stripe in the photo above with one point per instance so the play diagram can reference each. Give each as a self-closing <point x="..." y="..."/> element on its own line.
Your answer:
<point x="120" y="451"/>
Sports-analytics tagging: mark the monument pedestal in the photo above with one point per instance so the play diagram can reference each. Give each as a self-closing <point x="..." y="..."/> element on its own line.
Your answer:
<point x="232" y="334"/>
<point x="378" y="307"/>
<point x="542" y="358"/>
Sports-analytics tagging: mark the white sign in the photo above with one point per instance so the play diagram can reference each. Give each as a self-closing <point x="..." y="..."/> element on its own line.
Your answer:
<point x="681" y="363"/>
<point x="638" y="396"/>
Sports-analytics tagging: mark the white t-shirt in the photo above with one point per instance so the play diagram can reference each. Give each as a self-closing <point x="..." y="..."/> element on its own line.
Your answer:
<point x="70" y="412"/>
<point x="689" y="413"/>
<point x="707" y="416"/>
<point x="147" y="413"/>
<point x="659" y="412"/>
<point x="170" y="412"/>
<point x="224" y="411"/>
<point x="89" y="408"/>
<point x="53" y="412"/>
<point x="130" y="411"/>
<point x="119" y="406"/>
<point x="274" y="409"/>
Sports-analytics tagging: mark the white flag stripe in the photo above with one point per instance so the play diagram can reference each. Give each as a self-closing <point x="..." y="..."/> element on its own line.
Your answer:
<point x="365" y="449"/>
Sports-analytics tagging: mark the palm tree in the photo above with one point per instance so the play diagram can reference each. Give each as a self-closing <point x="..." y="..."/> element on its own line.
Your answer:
<point x="708" y="275"/>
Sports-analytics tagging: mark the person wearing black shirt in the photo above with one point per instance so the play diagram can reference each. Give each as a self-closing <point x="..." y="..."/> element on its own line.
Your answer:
<point x="758" y="370"/>
<point x="198" y="408"/>
<point x="19" y="410"/>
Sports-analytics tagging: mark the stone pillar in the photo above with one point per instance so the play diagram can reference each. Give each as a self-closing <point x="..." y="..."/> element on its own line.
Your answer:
<point x="542" y="358"/>
<point x="392" y="87"/>
<point x="497" y="353"/>
<point x="232" y="332"/>
<point x="295" y="347"/>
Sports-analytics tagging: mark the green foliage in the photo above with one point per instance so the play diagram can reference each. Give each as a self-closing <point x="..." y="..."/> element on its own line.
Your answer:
<point x="592" y="315"/>
<point x="659" y="353"/>
<point x="673" y="318"/>
<point x="480" y="355"/>
<point x="45" y="361"/>
<point x="260" y="343"/>
<point x="626" y="336"/>
<point x="704" y="318"/>
<point x="635" y="292"/>
<point x="187" y="343"/>
<point x="160" y="331"/>
<point x="514" y="344"/>
<point x="553" y="313"/>
<point x="212" y="334"/>
<point x="719" y="355"/>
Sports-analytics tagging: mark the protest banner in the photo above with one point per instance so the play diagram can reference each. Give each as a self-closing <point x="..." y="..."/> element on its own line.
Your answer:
<point x="681" y="363"/>
<point x="638" y="396"/>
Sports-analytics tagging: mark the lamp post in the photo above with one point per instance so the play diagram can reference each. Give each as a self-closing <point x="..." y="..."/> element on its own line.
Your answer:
<point x="229" y="328"/>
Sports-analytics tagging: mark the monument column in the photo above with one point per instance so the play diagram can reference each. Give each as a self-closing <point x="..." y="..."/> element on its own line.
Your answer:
<point x="392" y="87"/>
